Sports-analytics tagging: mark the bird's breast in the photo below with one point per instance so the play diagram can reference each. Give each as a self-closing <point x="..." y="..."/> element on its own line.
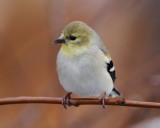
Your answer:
<point x="84" y="75"/>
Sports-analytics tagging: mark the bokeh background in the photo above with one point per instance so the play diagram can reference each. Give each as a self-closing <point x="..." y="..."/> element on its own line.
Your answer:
<point x="129" y="28"/>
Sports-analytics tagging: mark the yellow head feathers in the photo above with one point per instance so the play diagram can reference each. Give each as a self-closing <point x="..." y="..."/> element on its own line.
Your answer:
<point x="77" y="32"/>
<point x="75" y="38"/>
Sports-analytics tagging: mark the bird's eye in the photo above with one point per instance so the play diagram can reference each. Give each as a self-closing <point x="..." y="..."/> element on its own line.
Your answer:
<point x="72" y="37"/>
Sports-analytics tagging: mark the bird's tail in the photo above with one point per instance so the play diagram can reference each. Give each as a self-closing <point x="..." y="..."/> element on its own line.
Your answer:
<point x="115" y="93"/>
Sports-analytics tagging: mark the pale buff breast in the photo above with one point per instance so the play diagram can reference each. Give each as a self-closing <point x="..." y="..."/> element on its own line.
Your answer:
<point x="85" y="75"/>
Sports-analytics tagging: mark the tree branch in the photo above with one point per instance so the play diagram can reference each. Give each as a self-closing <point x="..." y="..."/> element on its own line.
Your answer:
<point x="77" y="101"/>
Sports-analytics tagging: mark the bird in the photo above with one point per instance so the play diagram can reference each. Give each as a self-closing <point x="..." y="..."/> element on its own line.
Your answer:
<point x="84" y="65"/>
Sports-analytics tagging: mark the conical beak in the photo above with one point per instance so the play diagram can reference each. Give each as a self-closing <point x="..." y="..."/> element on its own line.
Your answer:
<point x="60" y="40"/>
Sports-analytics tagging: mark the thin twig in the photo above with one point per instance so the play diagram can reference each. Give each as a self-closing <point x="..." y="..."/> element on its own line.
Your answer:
<point x="77" y="101"/>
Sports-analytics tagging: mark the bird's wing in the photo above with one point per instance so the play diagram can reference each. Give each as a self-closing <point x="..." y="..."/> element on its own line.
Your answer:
<point x="110" y="66"/>
<point x="111" y="70"/>
<point x="108" y="60"/>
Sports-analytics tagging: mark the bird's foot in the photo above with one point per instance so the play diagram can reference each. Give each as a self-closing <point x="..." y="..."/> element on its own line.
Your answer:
<point x="66" y="99"/>
<point x="103" y="100"/>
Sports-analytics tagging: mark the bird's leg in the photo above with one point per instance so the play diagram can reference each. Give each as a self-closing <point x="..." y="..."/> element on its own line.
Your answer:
<point x="103" y="99"/>
<point x="66" y="99"/>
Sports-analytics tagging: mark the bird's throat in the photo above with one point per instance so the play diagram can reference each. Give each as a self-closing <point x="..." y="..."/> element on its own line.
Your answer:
<point x="72" y="50"/>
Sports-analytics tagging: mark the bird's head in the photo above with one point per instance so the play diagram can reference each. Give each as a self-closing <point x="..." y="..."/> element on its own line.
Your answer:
<point x="76" y="32"/>
<point x="75" y="38"/>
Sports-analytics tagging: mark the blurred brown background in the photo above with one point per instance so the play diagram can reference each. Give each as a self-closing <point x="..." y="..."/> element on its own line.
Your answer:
<point x="129" y="28"/>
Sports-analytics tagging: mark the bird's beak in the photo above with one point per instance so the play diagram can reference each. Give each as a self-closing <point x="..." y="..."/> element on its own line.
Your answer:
<point x="60" y="40"/>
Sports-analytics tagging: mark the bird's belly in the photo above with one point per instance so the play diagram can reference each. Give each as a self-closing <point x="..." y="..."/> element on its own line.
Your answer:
<point x="85" y="80"/>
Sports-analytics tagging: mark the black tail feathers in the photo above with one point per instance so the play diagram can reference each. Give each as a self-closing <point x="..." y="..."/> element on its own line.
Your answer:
<point x="115" y="93"/>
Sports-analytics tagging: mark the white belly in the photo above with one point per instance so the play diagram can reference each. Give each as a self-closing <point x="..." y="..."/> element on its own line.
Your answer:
<point x="85" y="76"/>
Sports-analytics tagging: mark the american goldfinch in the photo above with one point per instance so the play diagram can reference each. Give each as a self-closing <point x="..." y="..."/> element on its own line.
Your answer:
<point x="84" y="65"/>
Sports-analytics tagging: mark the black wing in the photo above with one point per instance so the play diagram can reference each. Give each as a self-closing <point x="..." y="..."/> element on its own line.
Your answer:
<point x="109" y="63"/>
<point x="111" y="70"/>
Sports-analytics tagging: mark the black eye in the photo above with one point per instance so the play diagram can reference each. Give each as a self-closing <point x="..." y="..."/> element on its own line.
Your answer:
<point x="72" y="37"/>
